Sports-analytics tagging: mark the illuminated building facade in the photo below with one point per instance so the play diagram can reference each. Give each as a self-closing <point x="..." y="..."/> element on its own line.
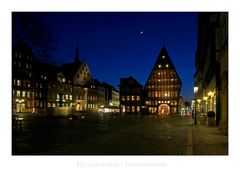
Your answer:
<point x="111" y="95"/>
<point x="211" y="62"/>
<point x="42" y="86"/>
<point x="28" y="84"/>
<point x="130" y="95"/>
<point x="163" y="86"/>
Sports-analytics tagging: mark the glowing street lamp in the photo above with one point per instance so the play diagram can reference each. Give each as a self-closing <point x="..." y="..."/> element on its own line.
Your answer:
<point x="195" y="89"/>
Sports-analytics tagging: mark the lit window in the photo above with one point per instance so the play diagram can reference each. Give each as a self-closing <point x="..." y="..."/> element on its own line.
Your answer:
<point x="123" y="98"/>
<point x="163" y="56"/>
<point x="167" y="65"/>
<point x="18" y="82"/>
<point x="58" y="96"/>
<point x="53" y="105"/>
<point x="70" y="97"/>
<point x="133" y="108"/>
<point x="23" y="94"/>
<point x="66" y="97"/>
<point x="159" y="66"/>
<point x="138" y="108"/>
<point x="64" y="80"/>
<point x="138" y="97"/>
<point x="28" y="94"/>
<point x="128" y="97"/>
<point x="133" y="97"/>
<point x="18" y="93"/>
<point x="158" y="73"/>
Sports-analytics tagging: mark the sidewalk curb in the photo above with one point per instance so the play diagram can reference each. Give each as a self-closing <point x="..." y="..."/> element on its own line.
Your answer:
<point x="189" y="146"/>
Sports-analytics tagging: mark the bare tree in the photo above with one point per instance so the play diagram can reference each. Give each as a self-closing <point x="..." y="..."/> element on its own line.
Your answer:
<point x="30" y="28"/>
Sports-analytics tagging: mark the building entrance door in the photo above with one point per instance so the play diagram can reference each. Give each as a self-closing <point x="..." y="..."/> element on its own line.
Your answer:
<point x="79" y="106"/>
<point x="20" y="107"/>
<point x="163" y="109"/>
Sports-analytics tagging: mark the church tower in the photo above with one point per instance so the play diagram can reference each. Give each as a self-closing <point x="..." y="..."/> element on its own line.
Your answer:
<point x="163" y="86"/>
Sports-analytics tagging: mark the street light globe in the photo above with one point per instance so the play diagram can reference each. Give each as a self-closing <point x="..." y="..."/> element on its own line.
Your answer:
<point x="195" y="89"/>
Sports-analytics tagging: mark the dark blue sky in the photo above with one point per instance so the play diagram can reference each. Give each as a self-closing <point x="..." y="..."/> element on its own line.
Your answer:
<point x="113" y="46"/>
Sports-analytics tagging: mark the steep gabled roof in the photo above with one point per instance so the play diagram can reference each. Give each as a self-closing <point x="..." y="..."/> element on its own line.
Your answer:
<point x="164" y="59"/>
<point x="164" y="62"/>
<point x="70" y="69"/>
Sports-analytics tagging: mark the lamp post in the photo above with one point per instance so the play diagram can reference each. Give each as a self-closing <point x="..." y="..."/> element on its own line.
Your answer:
<point x="195" y="89"/>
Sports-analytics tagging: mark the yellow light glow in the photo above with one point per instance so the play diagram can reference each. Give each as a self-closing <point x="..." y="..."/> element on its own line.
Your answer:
<point x="199" y="100"/>
<point x="167" y="65"/>
<point x="205" y="98"/>
<point x="163" y="56"/>
<point x="210" y="93"/>
<point x="159" y="66"/>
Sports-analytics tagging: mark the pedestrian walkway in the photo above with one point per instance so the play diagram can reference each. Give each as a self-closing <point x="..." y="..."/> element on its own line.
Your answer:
<point x="206" y="140"/>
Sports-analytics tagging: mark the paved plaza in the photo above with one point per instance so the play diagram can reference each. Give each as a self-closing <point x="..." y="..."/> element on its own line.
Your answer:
<point x="94" y="134"/>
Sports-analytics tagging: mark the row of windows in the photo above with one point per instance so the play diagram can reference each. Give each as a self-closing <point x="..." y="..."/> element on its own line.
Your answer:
<point x="25" y="65"/>
<point x="64" y="97"/>
<point x="37" y="103"/>
<point x="60" y="87"/>
<point x="163" y="87"/>
<point x="92" y="106"/>
<point x="162" y="94"/>
<point x="155" y="102"/>
<point x="162" y="66"/>
<point x="57" y="104"/>
<point x="129" y="109"/>
<point x="27" y="84"/>
<point x="93" y="98"/>
<point x="132" y="98"/>
<point x="163" y="81"/>
<point x="170" y="73"/>
<point x="28" y="94"/>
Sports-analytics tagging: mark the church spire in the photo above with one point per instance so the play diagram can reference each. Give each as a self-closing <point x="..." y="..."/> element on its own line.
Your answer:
<point x="77" y="55"/>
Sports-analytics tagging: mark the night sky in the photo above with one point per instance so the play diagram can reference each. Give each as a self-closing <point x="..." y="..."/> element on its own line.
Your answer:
<point x="117" y="45"/>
